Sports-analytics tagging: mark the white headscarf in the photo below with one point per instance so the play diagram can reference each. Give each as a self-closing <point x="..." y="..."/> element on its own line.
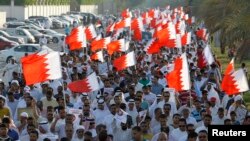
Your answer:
<point x="75" y="138"/>
<point x="156" y="136"/>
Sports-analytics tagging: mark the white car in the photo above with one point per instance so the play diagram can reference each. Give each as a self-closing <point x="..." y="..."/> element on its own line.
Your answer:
<point x="56" y="37"/>
<point x="20" y="50"/>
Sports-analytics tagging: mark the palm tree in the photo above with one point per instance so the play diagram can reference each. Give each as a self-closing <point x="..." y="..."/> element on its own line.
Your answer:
<point x="232" y="19"/>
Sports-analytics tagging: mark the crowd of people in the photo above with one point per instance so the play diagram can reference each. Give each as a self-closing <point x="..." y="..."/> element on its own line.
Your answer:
<point x="135" y="104"/>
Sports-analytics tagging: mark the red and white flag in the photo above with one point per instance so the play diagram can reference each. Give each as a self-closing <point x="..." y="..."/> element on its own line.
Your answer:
<point x="201" y="33"/>
<point x="126" y="13"/>
<point x="137" y="27"/>
<point x="235" y="83"/>
<point x="208" y="55"/>
<point x="97" y="56"/>
<point x="123" y="23"/>
<point x="90" y="32"/>
<point x="117" y="46"/>
<point x="166" y="34"/>
<point x="100" y="44"/>
<point x="172" y="43"/>
<point x="152" y="47"/>
<point x="186" y="39"/>
<point x="179" y="78"/>
<point x="76" y="39"/>
<point x="125" y="61"/>
<point x="227" y="84"/>
<point x="86" y="85"/>
<point x="40" y="67"/>
<point x="205" y="58"/>
<point x="110" y="28"/>
<point x="191" y="20"/>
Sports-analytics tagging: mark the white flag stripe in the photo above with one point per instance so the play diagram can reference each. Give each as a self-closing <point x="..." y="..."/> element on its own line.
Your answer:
<point x="208" y="55"/>
<point x="241" y="80"/>
<point x="185" y="78"/>
<point x="53" y="65"/>
<point x="130" y="59"/>
<point x="93" y="82"/>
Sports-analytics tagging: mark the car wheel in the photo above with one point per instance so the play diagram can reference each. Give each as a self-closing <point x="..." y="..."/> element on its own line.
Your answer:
<point x="8" y="59"/>
<point x="55" y="40"/>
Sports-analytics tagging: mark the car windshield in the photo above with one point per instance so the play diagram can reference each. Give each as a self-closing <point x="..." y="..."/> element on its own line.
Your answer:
<point x="51" y="31"/>
<point x="32" y="31"/>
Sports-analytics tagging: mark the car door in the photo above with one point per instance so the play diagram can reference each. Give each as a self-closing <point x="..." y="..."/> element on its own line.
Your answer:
<point x="20" y="51"/>
<point x="31" y="49"/>
<point x="1" y="44"/>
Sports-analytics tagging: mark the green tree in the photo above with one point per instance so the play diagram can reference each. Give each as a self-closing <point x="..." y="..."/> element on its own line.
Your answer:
<point x="232" y="19"/>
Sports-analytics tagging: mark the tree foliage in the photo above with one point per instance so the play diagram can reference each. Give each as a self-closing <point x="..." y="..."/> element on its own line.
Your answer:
<point x="231" y="18"/>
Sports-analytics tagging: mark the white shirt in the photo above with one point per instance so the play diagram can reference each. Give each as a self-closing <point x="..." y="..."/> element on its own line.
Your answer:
<point x="176" y="134"/>
<point x="98" y="114"/>
<point x="108" y="122"/>
<point x="191" y="120"/>
<point x="150" y="98"/>
<point x="218" y="121"/>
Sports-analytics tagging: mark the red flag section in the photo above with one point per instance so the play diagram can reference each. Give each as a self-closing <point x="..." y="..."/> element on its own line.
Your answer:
<point x="41" y="66"/>
<point x="90" y="32"/>
<point x="97" y="56"/>
<point x="100" y="44"/>
<point x="117" y="46"/>
<point x="137" y="27"/>
<point x="152" y="47"/>
<point x="124" y="61"/>
<point x="87" y="85"/>
<point x="179" y="78"/>
<point x="76" y="39"/>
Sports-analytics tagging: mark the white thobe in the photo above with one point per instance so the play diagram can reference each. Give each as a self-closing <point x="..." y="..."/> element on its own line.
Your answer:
<point x="176" y="135"/>
<point x="99" y="114"/>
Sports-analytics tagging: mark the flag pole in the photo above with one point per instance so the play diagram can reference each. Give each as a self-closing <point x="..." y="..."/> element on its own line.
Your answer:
<point x="64" y="97"/>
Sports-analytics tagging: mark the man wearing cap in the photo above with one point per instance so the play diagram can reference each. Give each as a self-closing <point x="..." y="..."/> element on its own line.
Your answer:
<point x="100" y="111"/>
<point x="22" y="123"/>
<point x="213" y="107"/>
<point x="239" y="108"/>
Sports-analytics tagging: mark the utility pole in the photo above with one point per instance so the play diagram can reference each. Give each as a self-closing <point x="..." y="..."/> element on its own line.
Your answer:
<point x="12" y="4"/>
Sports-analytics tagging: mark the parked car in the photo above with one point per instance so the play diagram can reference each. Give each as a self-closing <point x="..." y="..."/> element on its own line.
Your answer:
<point x="56" y="37"/>
<point x="20" y="50"/>
<point x="38" y="35"/>
<point x="20" y="32"/>
<point x="56" y="23"/>
<point x="19" y="40"/>
<point x="30" y="26"/>
<point x="5" y="43"/>
<point x="13" y="24"/>
<point x="10" y="19"/>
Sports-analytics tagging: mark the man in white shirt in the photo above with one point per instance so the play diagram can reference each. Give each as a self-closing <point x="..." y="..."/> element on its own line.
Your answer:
<point x="186" y="115"/>
<point x="100" y="111"/>
<point x="176" y="134"/>
<point x="220" y="117"/>
<point x="148" y="96"/>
